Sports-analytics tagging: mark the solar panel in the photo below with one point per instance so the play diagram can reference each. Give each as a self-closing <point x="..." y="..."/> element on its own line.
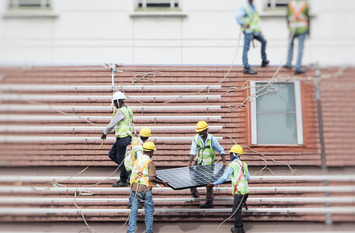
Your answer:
<point x="195" y="176"/>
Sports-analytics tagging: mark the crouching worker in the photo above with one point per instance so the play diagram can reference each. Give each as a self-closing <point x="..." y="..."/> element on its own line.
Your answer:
<point x="142" y="177"/>
<point x="239" y="174"/>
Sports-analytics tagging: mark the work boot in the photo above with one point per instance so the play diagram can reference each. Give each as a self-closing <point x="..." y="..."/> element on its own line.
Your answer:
<point x="195" y="194"/>
<point x="299" y="71"/>
<point x="265" y="63"/>
<point x="287" y="67"/>
<point x="235" y="230"/>
<point x="249" y="71"/>
<point x="206" y="205"/>
<point x="120" y="184"/>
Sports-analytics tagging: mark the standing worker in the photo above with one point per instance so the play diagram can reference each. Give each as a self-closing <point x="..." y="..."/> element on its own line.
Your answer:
<point x="248" y="18"/>
<point x="239" y="174"/>
<point x="202" y="150"/>
<point x="298" y="24"/>
<point x="122" y="122"/>
<point x="136" y="150"/>
<point x="143" y="174"/>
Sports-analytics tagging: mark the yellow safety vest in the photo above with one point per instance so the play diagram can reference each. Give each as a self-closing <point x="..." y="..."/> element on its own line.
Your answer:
<point x="238" y="177"/>
<point x="252" y="19"/>
<point x="124" y="128"/>
<point x="205" y="153"/>
<point x="140" y="173"/>
<point x="132" y="156"/>
<point x="297" y="17"/>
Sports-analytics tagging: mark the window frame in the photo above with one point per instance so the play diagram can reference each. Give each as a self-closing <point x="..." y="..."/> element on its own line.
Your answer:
<point x="273" y="5"/>
<point x="299" y="114"/>
<point x="144" y="4"/>
<point x="37" y="5"/>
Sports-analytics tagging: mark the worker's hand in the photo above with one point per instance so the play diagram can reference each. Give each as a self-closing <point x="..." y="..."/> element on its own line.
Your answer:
<point x="103" y="136"/>
<point x="246" y="26"/>
<point x="211" y="185"/>
<point x="225" y="164"/>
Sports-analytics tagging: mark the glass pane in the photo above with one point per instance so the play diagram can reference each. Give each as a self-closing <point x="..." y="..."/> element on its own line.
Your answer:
<point x="280" y="99"/>
<point x="276" y="128"/>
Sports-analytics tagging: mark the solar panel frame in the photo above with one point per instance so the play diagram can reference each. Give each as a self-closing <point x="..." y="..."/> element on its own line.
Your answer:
<point x="194" y="176"/>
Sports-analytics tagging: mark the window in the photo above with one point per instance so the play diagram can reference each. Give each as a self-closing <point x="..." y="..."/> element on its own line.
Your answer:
<point x="276" y="113"/>
<point x="168" y="4"/>
<point x="29" y="4"/>
<point x="275" y="4"/>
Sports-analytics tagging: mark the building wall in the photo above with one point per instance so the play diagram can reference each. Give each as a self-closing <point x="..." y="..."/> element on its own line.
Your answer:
<point x="205" y="32"/>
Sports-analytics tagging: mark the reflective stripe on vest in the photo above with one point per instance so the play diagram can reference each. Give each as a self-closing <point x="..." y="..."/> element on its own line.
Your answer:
<point x="132" y="156"/>
<point x="205" y="153"/>
<point x="124" y="128"/>
<point x="252" y="19"/>
<point x="140" y="171"/>
<point x="238" y="178"/>
<point x="297" y="17"/>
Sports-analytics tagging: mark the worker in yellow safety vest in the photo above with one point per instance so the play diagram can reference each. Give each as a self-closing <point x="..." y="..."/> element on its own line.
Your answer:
<point x="248" y="18"/>
<point x="202" y="151"/>
<point x="239" y="174"/>
<point x="122" y="122"/>
<point x="298" y="24"/>
<point x="135" y="151"/>
<point x="142" y="178"/>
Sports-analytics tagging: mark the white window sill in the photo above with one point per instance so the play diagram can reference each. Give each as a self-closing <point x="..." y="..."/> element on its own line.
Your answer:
<point x="158" y="14"/>
<point x="29" y="14"/>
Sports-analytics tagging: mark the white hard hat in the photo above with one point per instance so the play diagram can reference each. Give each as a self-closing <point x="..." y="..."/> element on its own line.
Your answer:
<point x="118" y="96"/>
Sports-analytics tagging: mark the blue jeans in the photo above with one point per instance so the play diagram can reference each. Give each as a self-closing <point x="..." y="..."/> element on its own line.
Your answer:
<point x="301" y="38"/>
<point x="248" y="37"/>
<point x="148" y="208"/>
<point x="118" y="153"/>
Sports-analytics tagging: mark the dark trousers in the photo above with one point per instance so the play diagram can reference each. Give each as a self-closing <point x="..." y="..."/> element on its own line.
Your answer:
<point x="118" y="153"/>
<point x="209" y="193"/>
<point x="238" y="220"/>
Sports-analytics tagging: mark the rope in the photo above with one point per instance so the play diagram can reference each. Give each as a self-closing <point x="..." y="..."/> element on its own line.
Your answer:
<point x="230" y="215"/>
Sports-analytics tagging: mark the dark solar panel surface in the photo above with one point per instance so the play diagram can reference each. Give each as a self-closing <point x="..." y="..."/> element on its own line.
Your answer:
<point x="195" y="176"/>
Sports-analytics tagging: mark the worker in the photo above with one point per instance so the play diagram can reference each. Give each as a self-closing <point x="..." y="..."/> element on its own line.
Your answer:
<point x="248" y="18"/>
<point x="202" y="151"/>
<point x="298" y="24"/>
<point x="122" y="122"/>
<point x="136" y="150"/>
<point x="239" y="174"/>
<point x="143" y="174"/>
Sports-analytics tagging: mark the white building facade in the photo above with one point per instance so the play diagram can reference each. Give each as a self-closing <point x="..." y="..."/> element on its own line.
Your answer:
<point x="92" y="32"/>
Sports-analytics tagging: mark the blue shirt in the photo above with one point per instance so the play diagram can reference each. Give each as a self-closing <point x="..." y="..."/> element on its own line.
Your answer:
<point x="214" y="142"/>
<point x="242" y="12"/>
<point x="228" y="174"/>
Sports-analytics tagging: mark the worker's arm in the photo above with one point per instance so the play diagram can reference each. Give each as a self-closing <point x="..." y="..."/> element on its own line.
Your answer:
<point x="117" y="118"/>
<point x="193" y="151"/>
<point x="309" y="21"/>
<point x="239" y="16"/>
<point x="248" y="176"/>
<point x="216" y="146"/>
<point x="223" y="178"/>
<point x="157" y="181"/>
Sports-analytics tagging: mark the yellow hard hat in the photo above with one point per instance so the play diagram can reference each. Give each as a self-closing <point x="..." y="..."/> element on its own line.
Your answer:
<point x="149" y="146"/>
<point x="236" y="149"/>
<point x="201" y="125"/>
<point x="145" y="132"/>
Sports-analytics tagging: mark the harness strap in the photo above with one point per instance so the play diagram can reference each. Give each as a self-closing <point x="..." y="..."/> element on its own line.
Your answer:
<point x="298" y="13"/>
<point x="140" y="173"/>
<point x="235" y="188"/>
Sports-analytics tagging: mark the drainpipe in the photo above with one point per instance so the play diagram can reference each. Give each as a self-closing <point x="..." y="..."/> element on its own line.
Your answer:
<point x="328" y="219"/>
